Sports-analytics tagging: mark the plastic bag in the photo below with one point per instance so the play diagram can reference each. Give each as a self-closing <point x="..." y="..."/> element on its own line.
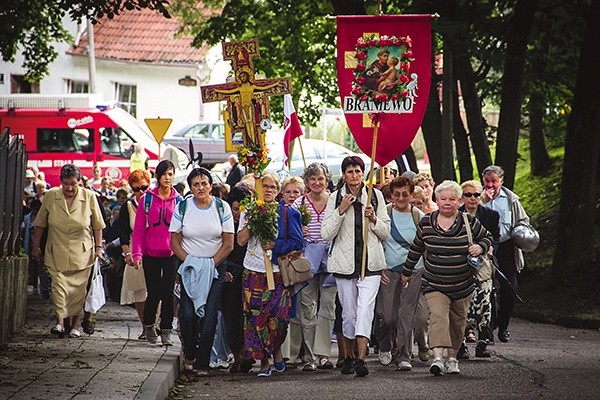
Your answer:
<point x="95" y="298"/>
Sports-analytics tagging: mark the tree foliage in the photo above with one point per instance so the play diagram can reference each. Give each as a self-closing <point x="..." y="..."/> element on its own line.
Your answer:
<point x="36" y="25"/>
<point x="295" y="37"/>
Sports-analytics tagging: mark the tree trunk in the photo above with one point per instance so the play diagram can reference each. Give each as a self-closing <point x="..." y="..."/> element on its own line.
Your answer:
<point x="475" y="121"/>
<point x="463" y="153"/>
<point x="447" y="159"/>
<point x="540" y="160"/>
<point x="432" y="128"/>
<point x="511" y="94"/>
<point x="575" y="248"/>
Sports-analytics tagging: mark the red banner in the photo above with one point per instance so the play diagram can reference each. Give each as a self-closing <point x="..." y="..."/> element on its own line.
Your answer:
<point x="384" y="67"/>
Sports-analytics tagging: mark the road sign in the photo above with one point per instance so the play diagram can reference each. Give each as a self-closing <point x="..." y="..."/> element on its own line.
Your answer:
<point x="158" y="127"/>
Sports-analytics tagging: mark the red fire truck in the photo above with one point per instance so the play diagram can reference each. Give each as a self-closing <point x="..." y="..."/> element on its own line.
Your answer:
<point x="61" y="129"/>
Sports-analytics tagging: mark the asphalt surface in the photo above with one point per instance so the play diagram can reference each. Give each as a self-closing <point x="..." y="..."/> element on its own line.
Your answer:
<point x="540" y="361"/>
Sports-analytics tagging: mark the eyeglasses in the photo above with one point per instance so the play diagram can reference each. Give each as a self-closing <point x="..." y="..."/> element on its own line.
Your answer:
<point x="269" y="187"/>
<point x="142" y="188"/>
<point x="472" y="194"/>
<point x="401" y="194"/>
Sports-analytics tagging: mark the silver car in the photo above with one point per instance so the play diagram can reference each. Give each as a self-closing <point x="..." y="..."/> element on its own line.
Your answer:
<point x="207" y="137"/>
<point x="323" y="151"/>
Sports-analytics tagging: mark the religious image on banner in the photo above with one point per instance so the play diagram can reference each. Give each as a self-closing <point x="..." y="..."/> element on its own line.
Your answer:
<point x="384" y="68"/>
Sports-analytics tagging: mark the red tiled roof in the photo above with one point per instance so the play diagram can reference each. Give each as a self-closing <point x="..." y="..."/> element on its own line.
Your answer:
<point x="143" y="36"/>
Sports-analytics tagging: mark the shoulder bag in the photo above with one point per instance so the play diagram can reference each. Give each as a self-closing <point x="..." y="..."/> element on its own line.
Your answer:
<point x="482" y="266"/>
<point x="293" y="266"/>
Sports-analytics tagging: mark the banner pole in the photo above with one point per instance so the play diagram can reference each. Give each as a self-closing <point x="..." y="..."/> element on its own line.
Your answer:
<point x="302" y="151"/>
<point x="369" y="195"/>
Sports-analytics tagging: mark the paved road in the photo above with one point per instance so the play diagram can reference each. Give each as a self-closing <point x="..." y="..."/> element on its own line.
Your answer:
<point x="540" y="362"/>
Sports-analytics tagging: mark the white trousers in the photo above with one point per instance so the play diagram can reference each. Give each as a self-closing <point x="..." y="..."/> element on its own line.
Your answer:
<point x="357" y="298"/>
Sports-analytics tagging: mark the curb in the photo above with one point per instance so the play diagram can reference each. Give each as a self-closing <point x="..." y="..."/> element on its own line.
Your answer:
<point x="163" y="375"/>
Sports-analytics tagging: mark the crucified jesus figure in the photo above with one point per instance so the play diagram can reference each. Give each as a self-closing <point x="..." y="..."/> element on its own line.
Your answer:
<point x="246" y="91"/>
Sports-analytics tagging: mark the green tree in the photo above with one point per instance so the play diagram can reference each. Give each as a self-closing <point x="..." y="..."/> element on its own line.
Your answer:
<point x="36" y="24"/>
<point x="580" y="191"/>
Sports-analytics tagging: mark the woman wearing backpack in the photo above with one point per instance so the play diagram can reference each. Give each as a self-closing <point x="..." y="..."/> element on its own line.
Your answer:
<point x="396" y="303"/>
<point x="202" y="238"/>
<point x="151" y="249"/>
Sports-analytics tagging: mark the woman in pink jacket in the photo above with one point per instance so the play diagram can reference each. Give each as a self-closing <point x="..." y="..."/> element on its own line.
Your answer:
<point x="150" y="248"/>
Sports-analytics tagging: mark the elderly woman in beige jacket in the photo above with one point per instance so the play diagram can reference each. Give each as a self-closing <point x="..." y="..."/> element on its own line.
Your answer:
<point x="74" y="222"/>
<point x="345" y="215"/>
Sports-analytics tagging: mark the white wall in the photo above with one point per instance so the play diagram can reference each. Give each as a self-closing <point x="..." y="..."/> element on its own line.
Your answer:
<point x="158" y="90"/>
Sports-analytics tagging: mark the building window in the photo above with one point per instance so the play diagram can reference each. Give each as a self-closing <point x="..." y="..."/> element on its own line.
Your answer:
<point x="127" y="97"/>
<point x="77" y="87"/>
<point x="18" y="84"/>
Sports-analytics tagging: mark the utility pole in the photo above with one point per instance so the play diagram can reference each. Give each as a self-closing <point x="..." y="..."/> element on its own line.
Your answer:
<point x="91" y="58"/>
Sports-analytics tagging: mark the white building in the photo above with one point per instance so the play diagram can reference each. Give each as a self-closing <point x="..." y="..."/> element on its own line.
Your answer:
<point x="140" y="64"/>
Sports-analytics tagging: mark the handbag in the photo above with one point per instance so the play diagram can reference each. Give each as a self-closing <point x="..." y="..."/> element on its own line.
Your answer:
<point x="95" y="298"/>
<point x="293" y="266"/>
<point x="483" y="267"/>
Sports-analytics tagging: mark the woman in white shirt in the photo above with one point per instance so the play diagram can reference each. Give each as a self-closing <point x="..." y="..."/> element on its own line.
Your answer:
<point x="202" y="238"/>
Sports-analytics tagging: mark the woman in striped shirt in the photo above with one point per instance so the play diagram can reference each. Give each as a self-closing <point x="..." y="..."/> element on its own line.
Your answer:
<point x="448" y="280"/>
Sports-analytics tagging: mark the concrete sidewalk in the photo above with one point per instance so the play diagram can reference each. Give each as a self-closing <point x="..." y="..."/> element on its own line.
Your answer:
<point x="110" y="364"/>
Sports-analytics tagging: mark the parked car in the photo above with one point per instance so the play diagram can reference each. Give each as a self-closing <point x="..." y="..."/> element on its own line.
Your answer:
<point x="207" y="137"/>
<point x="329" y="153"/>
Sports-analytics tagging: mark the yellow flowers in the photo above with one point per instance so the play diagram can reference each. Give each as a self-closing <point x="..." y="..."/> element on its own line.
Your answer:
<point x="262" y="218"/>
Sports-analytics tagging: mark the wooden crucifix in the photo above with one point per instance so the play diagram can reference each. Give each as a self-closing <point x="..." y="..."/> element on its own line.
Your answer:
<point x="247" y="97"/>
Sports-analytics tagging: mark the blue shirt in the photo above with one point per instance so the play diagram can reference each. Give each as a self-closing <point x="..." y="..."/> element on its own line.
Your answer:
<point x="501" y="204"/>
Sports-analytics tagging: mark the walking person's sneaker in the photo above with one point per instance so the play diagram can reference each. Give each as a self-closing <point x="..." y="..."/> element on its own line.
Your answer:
<point x="503" y="335"/>
<point x="463" y="352"/>
<point x="437" y="367"/>
<point x="264" y="373"/>
<point x="452" y="366"/>
<point x="165" y="337"/>
<point x="151" y="335"/>
<point x="279" y="366"/>
<point x="482" y="351"/>
<point x="348" y="367"/>
<point x="424" y="354"/>
<point x="360" y="368"/>
<point x="385" y="357"/>
<point x="404" y="366"/>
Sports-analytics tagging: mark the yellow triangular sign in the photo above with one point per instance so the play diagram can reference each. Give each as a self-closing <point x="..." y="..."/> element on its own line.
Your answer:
<point x="158" y="127"/>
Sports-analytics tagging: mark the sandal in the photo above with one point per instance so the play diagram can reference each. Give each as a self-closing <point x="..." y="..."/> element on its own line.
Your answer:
<point x="324" y="363"/>
<point x="142" y="336"/>
<point x="57" y="329"/>
<point x="74" y="334"/>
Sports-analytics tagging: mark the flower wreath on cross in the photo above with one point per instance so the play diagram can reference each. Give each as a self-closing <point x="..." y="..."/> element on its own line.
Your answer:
<point x="254" y="158"/>
<point x="370" y="81"/>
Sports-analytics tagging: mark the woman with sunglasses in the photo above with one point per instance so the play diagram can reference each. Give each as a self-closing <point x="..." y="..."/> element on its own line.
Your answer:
<point x="151" y="248"/>
<point x="133" y="290"/>
<point x="396" y="303"/>
<point x="266" y="312"/>
<point x="480" y="310"/>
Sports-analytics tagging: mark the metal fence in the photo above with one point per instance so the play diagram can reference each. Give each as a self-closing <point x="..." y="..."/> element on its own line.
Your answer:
<point x="13" y="162"/>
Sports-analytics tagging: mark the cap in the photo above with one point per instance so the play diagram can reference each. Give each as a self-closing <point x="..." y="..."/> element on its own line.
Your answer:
<point x="29" y="174"/>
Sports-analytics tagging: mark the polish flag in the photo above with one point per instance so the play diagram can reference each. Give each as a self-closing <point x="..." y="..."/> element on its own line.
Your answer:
<point x="291" y="125"/>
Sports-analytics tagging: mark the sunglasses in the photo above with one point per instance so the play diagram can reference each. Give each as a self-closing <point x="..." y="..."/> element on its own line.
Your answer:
<point x="472" y="194"/>
<point x="142" y="188"/>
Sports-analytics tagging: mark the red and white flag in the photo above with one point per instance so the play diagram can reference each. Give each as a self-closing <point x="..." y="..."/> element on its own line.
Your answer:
<point x="291" y="125"/>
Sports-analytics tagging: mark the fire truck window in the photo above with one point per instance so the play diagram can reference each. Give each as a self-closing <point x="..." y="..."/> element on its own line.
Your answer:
<point x="65" y="140"/>
<point x="116" y="142"/>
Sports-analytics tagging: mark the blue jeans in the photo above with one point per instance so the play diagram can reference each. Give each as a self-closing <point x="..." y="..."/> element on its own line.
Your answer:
<point x="198" y="334"/>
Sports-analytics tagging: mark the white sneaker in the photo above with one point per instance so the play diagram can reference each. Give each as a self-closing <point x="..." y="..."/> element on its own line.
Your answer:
<point x="404" y="366"/>
<point x="452" y="366"/>
<point x="437" y="367"/>
<point x="385" y="357"/>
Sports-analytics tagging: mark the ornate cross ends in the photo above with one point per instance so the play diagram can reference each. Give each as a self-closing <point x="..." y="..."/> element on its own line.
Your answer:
<point x="247" y="97"/>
